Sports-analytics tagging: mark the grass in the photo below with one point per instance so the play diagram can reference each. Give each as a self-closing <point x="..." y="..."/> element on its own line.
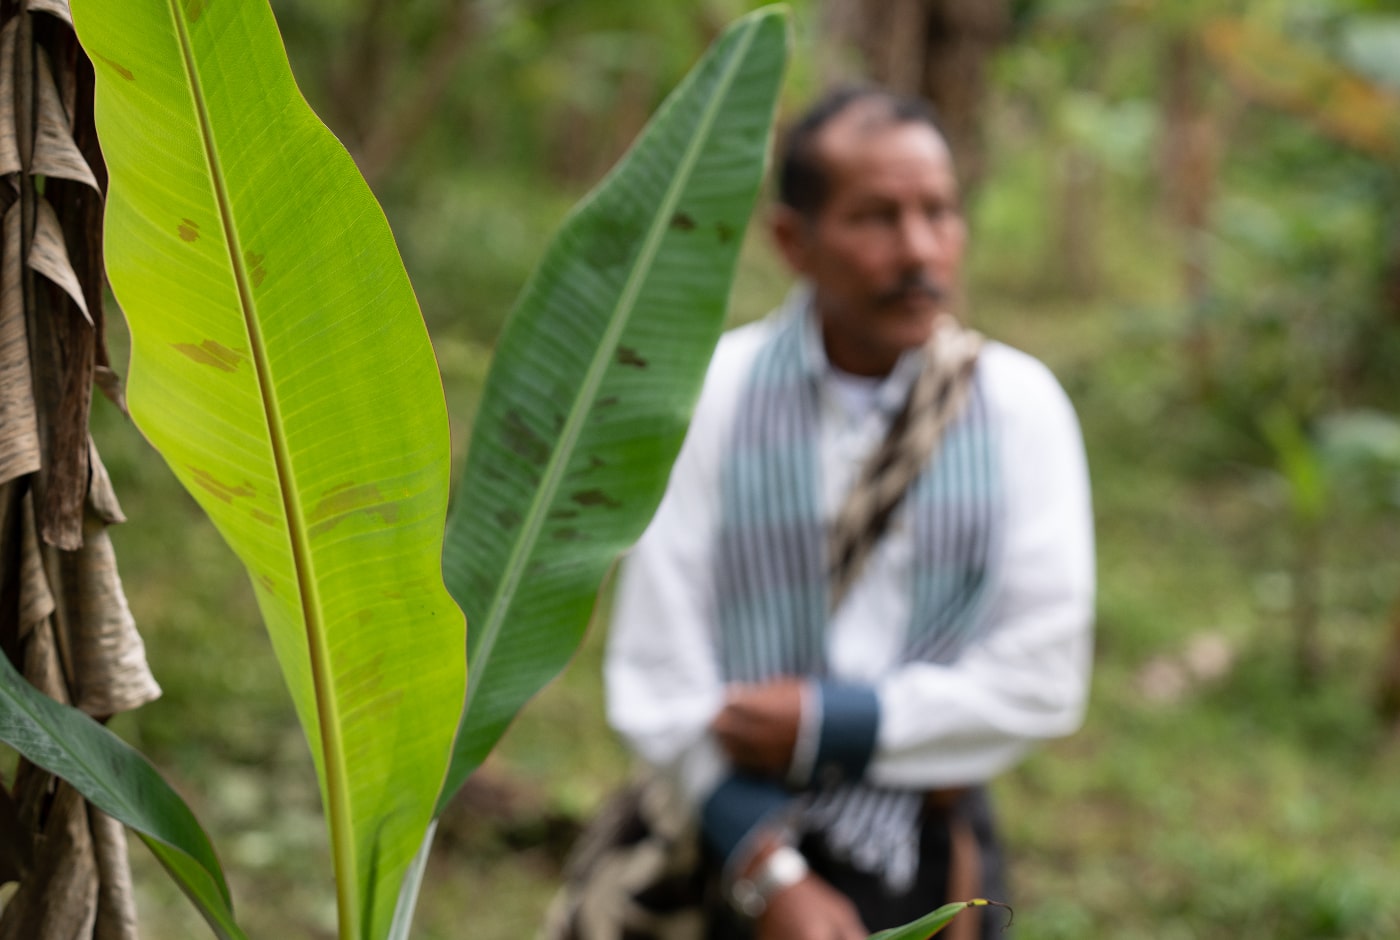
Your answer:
<point x="1230" y="806"/>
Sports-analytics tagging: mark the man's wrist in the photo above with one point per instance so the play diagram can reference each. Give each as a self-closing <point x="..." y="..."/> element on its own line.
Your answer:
<point x="778" y="869"/>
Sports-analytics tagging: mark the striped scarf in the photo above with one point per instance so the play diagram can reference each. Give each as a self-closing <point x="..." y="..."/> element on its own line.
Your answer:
<point x="776" y="584"/>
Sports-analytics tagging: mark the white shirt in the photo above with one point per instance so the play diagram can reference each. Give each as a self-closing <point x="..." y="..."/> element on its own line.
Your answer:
<point x="940" y="725"/>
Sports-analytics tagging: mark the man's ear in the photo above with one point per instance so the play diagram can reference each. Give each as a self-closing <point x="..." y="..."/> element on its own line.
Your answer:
<point x="789" y="229"/>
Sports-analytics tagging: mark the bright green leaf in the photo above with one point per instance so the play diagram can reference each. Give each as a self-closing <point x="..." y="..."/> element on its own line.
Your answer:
<point x="120" y="782"/>
<point x="596" y="375"/>
<point x="282" y="368"/>
<point x="929" y="924"/>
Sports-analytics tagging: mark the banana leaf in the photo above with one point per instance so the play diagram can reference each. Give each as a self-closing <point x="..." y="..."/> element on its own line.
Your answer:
<point x="282" y="368"/>
<point x="596" y="375"/>
<point x="119" y="781"/>
<point x="931" y="923"/>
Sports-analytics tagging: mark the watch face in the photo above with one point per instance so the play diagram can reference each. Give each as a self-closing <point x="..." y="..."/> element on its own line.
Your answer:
<point x="785" y="867"/>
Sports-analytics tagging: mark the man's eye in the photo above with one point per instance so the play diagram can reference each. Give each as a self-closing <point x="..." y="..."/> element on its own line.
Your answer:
<point x="877" y="216"/>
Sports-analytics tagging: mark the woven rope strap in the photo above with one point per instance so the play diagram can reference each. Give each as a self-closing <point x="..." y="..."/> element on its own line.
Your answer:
<point x="935" y="400"/>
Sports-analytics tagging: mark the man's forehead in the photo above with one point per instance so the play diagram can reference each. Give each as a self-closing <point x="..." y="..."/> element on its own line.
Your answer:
<point x="866" y="132"/>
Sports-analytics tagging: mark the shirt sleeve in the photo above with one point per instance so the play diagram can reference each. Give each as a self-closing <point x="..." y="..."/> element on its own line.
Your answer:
<point x="1028" y="679"/>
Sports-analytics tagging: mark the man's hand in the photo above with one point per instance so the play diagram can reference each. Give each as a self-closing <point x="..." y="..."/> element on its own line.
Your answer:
<point x="757" y="728"/>
<point x="810" y="910"/>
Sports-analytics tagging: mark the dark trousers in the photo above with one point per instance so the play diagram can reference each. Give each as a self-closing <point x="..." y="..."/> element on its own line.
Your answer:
<point x="879" y="909"/>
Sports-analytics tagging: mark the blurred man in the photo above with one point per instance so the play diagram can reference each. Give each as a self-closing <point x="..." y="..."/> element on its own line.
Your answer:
<point x="869" y="586"/>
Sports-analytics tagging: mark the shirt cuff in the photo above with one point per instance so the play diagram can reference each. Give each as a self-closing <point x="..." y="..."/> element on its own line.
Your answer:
<point x="737" y="808"/>
<point x="809" y="731"/>
<point x="850" y="725"/>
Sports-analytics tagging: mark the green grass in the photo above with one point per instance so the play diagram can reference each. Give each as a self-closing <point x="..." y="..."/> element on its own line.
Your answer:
<point x="1243" y="807"/>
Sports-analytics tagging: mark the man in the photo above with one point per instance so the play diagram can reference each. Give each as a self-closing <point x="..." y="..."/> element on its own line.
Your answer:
<point x="869" y="586"/>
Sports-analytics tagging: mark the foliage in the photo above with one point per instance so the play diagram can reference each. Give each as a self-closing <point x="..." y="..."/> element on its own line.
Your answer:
<point x="281" y="367"/>
<point x="614" y="331"/>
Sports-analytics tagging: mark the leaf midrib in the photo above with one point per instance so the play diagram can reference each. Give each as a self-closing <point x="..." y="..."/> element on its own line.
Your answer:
<point x="573" y="426"/>
<point x="332" y="748"/>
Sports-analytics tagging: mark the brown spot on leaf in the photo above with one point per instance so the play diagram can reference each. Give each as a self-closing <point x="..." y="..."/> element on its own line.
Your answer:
<point x="564" y="514"/>
<point x="507" y="518"/>
<point x="264" y="517"/>
<point x="194" y="9"/>
<point x="189" y="229"/>
<point x="219" y="488"/>
<point x="117" y="67"/>
<point x="627" y="356"/>
<point x="210" y="353"/>
<point x="567" y="535"/>
<point x="595" y="462"/>
<point x="256" y="271"/>
<point x="269" y="585"/>
<point x="522" y="440"/>
<point x="594" y="498"/>
<point x="608" y="402"/>
<point x="346" y="499"/>
<point x="725" y="231"/>
<point x="682" y="222"/>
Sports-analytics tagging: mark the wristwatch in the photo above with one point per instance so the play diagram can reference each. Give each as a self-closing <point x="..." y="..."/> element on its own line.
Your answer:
<point x="783" y="868"/>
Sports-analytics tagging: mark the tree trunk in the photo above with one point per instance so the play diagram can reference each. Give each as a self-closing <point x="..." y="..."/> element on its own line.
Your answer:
<point x="64" y="621"/>
<point x="1189" y="156"/>
<point x="1388" y="694"/>
<point x="937" y="49"/>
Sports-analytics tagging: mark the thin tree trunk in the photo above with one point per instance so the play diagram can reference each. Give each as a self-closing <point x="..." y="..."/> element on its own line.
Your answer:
<point x="1388" y="693"/>
<point x="940" y="50"/>
<point x="64" y="621"/>
<point x="1190" y="161"/>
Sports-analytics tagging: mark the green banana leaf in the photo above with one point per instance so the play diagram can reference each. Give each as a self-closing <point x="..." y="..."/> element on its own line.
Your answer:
<point x="120" y="782"/>
<point x="930" y="924"/>
<point x="595" y="377"/>
<point x="282" y="368"/>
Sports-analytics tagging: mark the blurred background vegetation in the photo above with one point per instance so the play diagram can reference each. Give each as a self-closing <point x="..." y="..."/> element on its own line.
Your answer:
<point x="1188" y="209"/>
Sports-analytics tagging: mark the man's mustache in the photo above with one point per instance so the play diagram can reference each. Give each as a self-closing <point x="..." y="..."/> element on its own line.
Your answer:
<point x="911" y="285"/>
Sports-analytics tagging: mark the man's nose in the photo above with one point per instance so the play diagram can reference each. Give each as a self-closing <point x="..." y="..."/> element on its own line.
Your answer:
<point x="922" y="244"/>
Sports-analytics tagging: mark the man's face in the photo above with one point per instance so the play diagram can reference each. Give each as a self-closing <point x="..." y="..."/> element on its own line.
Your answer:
<point x="885" y="250"/>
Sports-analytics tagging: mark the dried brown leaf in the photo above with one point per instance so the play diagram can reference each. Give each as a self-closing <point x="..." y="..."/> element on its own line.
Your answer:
<point x="109" y="383"/>
<point x="19" y="431"/>
<point x="58" y="901"/>
<point x="36" y="601"/>
<point x="102" y="497"/>
<point x="116" y="896"/>
<point x="9" y="129"/>
<point x="55" y="152"/>
<point x="108" y="659"/>
<point x="58" y="8"/>
<point x="49" y="255"/>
